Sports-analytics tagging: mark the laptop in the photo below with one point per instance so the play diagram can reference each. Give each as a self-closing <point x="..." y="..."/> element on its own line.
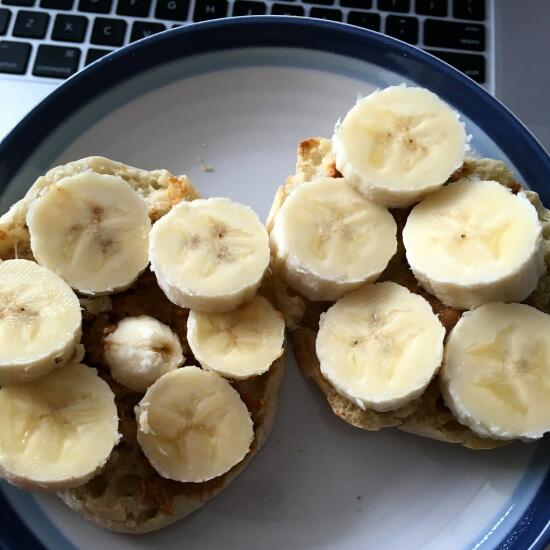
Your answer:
<point x="501" y="44"/>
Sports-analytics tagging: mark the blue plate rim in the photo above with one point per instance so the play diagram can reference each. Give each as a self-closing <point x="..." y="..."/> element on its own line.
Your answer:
<point x="527" y="154"/>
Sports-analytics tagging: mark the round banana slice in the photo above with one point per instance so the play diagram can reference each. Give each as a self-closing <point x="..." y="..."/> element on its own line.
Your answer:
<point x="496" y="373"/>
<point x="328" y="239"/>
<point x="193" y="425"/>
<point x="57" y="432"/>
<point x="475" y="242"/>
<point x="140" y="350"/>
<point x="380" y="346"/>
<point x="398" y="144"/>
<point x="240" y="343"/>
<point x="209" y="254"/>
<point x="92" y="230"/>
<point x="40" y="321"/>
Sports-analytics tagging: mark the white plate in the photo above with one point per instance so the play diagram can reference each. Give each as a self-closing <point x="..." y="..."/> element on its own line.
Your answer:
<point x="318" y="483"/>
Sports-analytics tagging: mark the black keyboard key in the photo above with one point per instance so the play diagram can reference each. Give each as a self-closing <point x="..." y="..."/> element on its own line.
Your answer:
<point x="471" y="64"/>
<point x="360" y="4"/>
<point x="95" y="54"/>
<point x="209" y="9"/>
<point x="57" y="4"/>
<point x="283" y="9"/>
<point x="143" y="29"/>
<point x="30" y="24"/>
<point x="469" y="9"/>
<point x="175" y="10"/>
<point x="108" y="32"/>
<point x="135" y="8"/>
<point x="365" y="20"/>
<point x="400" y="6"/>
<point x="25" y="3"/>
<point x="323" y="2"/>
<point x="436" y="8"/>
<point x="460" y="36"/>
<point x="95" y="6"/>
<point x="69" y="28"/>
<point x="324" y="13"/>
<point x="5" y="16"/>
<point x="242" y="7"/>
<point x="14" y="57"/>
<point x="56" y="61"/>
<point x="404" y="28"/>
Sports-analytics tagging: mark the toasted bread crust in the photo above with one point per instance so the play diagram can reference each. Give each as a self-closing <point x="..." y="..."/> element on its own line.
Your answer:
<point x="128" y="496"/>
<point x="427" y="416"/>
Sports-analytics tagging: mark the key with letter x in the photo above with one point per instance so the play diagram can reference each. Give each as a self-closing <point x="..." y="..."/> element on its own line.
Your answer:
<point x="69" y="28"/>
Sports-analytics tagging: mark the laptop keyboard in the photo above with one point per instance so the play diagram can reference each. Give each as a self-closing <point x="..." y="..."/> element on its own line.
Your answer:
<point x="55" y="38"/>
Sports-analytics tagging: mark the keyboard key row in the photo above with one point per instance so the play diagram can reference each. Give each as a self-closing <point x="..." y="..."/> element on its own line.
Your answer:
<point x="112" y="32"/>
<point x="473" y="10"/>
<point x="50" y="61"/>
<point x="33" y="24"/>
<point x="72" y="28"/>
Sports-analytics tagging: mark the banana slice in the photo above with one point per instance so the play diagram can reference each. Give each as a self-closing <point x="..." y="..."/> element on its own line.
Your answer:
<point x="475" y="242"/>
<point x="496" y="373"/>
<point x="328" y="239"/>
<point x="398" y="144"/>
<point x="240" y="343"/>
<point x="380" y="346"/>
<point x="92" y="230"/>
<point x="193" y="426"/>
<point x="140" y="350"/>
<point x="209" y="254"/>
<point x="57" y="432"/>
<point x="40" y="321"/>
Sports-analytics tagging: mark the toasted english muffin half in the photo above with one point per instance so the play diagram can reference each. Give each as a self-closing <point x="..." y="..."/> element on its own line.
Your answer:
<point x="128" y="495"/>
<point x="427" y="415"/>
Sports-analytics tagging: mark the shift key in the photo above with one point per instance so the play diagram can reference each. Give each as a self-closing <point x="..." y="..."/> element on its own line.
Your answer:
<point x="56" y="61"/>
<point x="457" y="36"/>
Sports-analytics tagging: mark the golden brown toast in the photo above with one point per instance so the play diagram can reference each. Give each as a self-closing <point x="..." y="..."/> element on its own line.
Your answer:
<point x="427" y="416"/>
<point x="128" y="495"/>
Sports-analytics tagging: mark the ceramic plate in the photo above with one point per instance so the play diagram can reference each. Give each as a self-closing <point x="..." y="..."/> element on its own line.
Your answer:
<point x="240" y="94"/>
